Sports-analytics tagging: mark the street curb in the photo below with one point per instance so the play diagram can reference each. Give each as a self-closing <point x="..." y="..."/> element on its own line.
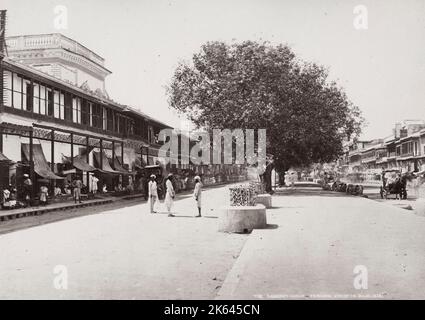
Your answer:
<point x="233" y="277"/>
<point x="40" y="211"/>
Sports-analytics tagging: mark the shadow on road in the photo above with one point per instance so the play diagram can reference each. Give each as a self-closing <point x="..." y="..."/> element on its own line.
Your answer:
<point x="303" y="192"/>
<point x="271" y="226"/>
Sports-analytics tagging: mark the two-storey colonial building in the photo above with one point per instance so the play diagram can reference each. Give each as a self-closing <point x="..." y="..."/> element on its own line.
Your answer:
<point x="57" y="118"/>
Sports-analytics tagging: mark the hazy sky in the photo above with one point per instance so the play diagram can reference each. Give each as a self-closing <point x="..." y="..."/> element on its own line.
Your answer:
<point x="381" y="68"/>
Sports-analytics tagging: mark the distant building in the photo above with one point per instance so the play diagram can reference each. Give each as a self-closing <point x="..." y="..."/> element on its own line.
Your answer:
<point x="404" y="149"/>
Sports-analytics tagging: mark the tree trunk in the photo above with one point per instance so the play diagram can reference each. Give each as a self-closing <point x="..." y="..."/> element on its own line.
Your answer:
<point x="267" y="178"/>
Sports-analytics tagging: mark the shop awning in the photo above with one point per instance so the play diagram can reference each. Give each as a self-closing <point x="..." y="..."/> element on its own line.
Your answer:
<point x="3" y="158"/>
<point x="119" y="167"/>
<point x="41" y="167"/>
<point x="106" y="167"/>
<point x="81" y="164"/>
<point x="140" y="163"/>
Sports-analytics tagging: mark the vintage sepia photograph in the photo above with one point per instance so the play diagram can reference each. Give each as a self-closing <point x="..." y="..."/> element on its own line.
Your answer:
<point x="234" y="152"/>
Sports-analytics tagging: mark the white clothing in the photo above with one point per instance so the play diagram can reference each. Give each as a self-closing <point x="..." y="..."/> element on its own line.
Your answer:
<point x="169" y="195"/>
<point x="153" y="188"/>
<point x="153" y="194"/>
<point x="197" y="193"/>
<point x="94" y="181"/>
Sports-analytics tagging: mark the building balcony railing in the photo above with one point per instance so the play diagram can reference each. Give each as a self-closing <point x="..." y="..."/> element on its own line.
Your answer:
<point x="51" y="41"/>
<point x="406" y="154"/>
<point x="369" y="159"/>
<point x="381" y="160"/>
<point x="355" y="163"/>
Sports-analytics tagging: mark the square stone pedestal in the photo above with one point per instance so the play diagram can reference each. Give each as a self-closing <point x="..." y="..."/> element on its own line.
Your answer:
<point x="242" y="219"/>
<point x="264" y="199"/>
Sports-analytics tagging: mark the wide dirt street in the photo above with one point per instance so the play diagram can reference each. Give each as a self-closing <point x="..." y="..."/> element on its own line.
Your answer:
<point x="317" y="245"/>
<point x="322" y="244"/>
<point x="125" y="253"/>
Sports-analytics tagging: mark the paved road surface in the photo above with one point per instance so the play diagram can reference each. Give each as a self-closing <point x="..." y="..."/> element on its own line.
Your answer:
<point x="122" y="254"/>
<point x="316" y="240"/>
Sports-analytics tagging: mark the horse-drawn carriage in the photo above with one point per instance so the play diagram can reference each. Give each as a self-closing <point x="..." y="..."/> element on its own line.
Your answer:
<point x="394" y="183"/>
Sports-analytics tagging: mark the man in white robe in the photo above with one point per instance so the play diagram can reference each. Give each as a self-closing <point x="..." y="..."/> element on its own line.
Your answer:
<point x="153" y="192"/>
<point x="197" y="193"/>
<point x="169" y="195"/>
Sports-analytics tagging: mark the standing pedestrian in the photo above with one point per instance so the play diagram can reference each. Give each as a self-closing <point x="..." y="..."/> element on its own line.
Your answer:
<point x="170" y="194"/>
<point x="44" y="192"/>
<point x="27" y="189"/>
<point x="6" y="196"/>
<point x="197" y="194"/>
<point x="77" y="184"/>
<point x="153" y="192"/>
<point x="94" y="181"/>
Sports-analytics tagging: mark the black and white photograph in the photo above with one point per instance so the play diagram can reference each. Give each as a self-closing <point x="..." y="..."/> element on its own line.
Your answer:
<point x="230" y="152"/>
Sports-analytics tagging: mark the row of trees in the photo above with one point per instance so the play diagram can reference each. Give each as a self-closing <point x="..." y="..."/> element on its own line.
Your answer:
<point x="252" y="85"/>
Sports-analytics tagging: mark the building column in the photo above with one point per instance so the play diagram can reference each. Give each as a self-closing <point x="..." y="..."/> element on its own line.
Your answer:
<point x="52" y="150"/>
<point x="72" y="149"/>
<point x="1" y="140"/>
<point x="122" y="162"/>
<point x="52" y="158"/>
<point x="113" y="155"/>
<point x="122" y="153"/>
<point x="31" y="161"/>
<point x="88" y="161"/>
<point x="101" y="153"/>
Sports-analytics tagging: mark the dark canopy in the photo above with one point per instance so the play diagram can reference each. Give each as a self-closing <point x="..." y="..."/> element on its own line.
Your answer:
<point x="41" y="167"/>
<point x="3" y="158"/>
<point x="140" y="163"/>
<point x="81" y="164"/>
<point x="106" y="167"/>
<point x="118" y="166"/>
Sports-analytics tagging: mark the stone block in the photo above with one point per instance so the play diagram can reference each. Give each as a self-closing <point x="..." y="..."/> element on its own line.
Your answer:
<point x="242" y="219"/>
<point x="264" y="199"/>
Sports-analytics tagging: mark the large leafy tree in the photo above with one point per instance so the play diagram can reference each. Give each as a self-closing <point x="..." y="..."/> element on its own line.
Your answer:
<point x="257" y="85"/>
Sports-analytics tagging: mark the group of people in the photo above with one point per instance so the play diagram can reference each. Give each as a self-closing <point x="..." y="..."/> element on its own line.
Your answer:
<point x="9" y="198"/>
<point x="170" y="194"/>
<point x="74" y="187"/>
<point x="10" y="194"/>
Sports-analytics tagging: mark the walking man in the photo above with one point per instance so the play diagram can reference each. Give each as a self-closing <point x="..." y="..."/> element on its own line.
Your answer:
<point x="197" y="194"/>
<point x="170" y="194"/>
<point x="153" y="192"/>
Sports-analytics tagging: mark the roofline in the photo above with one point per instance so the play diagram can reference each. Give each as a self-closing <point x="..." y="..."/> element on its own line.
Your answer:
<point x="52" y="34"/>
<point x="123" y="108"/>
